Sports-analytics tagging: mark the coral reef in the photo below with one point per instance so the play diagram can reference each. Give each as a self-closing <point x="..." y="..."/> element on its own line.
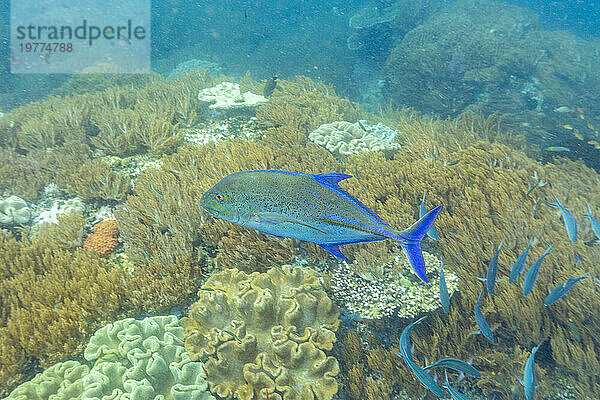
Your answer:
<point x="127" y="359"/>
<point x="265" y="332"/>
<point x="389" y="289"/>
<point x="228" y="95"/>
<point x="61" y="207"/>
<point x="343" y="138"/>
<point x="97" y="181"/>
<point x="375" y="23"/>
<point x="472" y="54"/>
<point x="486" y="190"/>
<point x="103" y="239"/>
<point x="20" y="175"/>
<point x="14" y="211"/>
<point x="55" y="294"/>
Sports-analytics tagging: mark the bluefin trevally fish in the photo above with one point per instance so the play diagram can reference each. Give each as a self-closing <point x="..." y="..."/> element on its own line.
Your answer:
<point x="595" y="225"/>
<point x="532" y="274"/>
<point x="426" y="380"/>
<point x="444" y="296"/>
<point x="492" y="271"/>
<point x="453" y="392"/>
<point x="455" y="364"/>
<point x="432" y="233"/>
<point x="562" y="289"/>
<point x="529" y="374"/>
<point x="310" y="207"/>
<point x="405" y="351"/>
<point x="484" y="328"/>
<point x="519" y="264"/>
<point x="568" y="219"/>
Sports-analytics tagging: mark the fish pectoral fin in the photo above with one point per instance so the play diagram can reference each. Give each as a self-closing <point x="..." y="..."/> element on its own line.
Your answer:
<point x="276" y="218"/>
<point x="334" y="249"/>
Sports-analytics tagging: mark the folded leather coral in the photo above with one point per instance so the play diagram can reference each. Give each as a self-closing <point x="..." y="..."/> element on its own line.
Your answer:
<point x="127" y="359"/>
<point x="265" y="332"/>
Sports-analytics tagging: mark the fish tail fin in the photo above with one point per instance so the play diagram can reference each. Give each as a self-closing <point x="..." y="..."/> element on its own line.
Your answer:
<point x="410" y="241"/>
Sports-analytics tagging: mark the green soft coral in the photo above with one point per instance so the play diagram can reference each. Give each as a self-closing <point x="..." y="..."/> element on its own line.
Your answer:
<point x="128" y="359"/>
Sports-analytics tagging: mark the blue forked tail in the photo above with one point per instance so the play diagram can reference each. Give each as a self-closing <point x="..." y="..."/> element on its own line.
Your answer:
<point x="410" y="240"/>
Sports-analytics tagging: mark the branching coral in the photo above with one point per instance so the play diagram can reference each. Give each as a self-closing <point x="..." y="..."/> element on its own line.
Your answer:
<point x="265" y="332"/>
<point x="304" y="105"/>
<point x="97" y="181"/>
<point x="388" y="289"/>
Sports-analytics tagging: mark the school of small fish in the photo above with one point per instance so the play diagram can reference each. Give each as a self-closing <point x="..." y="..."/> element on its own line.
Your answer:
<point x="490" y="280"/>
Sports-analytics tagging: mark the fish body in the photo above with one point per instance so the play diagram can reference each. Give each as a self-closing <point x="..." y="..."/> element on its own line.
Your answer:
<point x="405" y="351"/>
<point x="426" y="380"/>
<point x="562" y="289"/>
<point x="568" y="219"/>
<point x="432" y="233"/>
<point x="484" y="328"/>
<point x="455" y="364"/>
<point x="557" y="149"/>
<point x="532" y="274"/>
<point x="455" y="394"/>
<point x="577" y="134"/>
<point x="519" y="264"/>
<point x="444" y="296"/>
<point x="563" y="109"/>
<point x="529" y="374"/>
<point x="309" y="207"/>
<point x="492" y="271"/>
<point x="595" y="225"/>
<point x="270" y="86"/>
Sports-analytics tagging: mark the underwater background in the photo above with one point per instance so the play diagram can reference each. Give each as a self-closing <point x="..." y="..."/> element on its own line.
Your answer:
<point x="116" y="284"/>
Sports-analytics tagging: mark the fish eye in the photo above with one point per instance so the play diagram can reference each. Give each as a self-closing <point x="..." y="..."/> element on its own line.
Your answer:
<point x="219" y="197"/>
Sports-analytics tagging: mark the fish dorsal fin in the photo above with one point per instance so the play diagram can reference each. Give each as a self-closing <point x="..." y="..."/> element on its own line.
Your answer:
<point x="331" y="180"/>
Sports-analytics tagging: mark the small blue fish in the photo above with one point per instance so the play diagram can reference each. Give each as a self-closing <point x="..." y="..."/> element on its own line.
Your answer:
<point x="529" y="374"/>
<point x="444" y="296"/>
<point x="455" y="364"/>
<point x="568" y="219"/>
<point x="484" y="328"/>
<point x="562" y="289"/>
<point x="519" y="264"/>
<point x="453" y="392"/>
<point x="595" y="225"/>
<point x="405" y="351"/>
<point x="492" y="271"/>
<point x="532" y="274"/>
<point x="426" y="380"/>
<point x="309" y="207"/>
<point x="432" y="233"/>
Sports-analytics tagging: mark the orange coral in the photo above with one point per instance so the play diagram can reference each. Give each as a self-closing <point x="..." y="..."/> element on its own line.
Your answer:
<point x="108" y="227"/>
<point x="103" y="239"/>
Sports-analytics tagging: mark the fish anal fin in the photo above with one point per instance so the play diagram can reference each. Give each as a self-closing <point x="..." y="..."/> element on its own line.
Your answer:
<point x="334" y="248"/>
